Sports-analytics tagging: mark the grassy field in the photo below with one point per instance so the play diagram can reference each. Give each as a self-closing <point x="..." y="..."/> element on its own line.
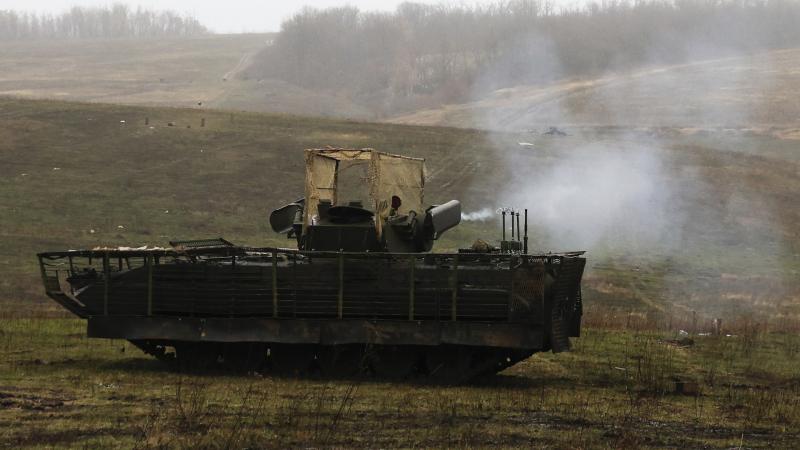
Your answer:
<point x="615" y="390"/>
<point x="76" y="175"/>
<point x="175" y="72"/>
<point x="166" y="72"/>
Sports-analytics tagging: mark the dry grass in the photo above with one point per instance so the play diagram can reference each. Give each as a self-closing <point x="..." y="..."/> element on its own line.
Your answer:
<point x="174" y="72"/>
<point x="616" y="389"/>
<point x="167" y="72"/>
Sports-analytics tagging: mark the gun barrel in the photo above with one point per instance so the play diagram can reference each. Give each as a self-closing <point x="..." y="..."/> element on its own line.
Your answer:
<point x="445" y="216"/>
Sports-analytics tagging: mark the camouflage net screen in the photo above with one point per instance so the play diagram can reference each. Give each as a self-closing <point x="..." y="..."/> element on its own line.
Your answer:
<point x="388" y="175"/>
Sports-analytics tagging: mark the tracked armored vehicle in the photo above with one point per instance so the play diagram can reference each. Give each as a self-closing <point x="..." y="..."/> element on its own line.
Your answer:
<point x="361" y="293"/>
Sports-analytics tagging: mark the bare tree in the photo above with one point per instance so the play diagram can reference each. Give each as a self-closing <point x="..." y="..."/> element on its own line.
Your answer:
<point x="117" y="21"/>
<point x="427" y="54"/>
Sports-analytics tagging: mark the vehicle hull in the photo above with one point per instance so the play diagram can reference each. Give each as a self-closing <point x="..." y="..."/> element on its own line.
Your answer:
<point x="450" y="316"/>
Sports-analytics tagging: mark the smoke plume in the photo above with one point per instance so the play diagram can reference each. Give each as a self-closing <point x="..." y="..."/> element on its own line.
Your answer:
<point x="482" y="215"/>
<point x="645" y="180"/>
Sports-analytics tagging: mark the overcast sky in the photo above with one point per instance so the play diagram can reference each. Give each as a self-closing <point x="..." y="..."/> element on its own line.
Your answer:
<point x="227" y="16"/>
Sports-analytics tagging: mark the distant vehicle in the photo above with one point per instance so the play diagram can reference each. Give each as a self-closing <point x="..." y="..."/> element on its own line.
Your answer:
<point x="362" y="293"/>
<point x="554" y="131"/>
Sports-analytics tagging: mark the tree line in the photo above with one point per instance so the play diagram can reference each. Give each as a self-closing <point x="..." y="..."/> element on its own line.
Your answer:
<point x="421" y="55"/>
<point x="116" y="21"/>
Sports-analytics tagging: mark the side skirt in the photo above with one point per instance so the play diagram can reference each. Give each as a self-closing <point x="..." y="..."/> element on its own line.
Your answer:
<point x="309" y="331"/>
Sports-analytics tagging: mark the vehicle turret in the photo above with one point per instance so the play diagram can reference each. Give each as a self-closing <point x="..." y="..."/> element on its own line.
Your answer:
<point x="335" y="217"/>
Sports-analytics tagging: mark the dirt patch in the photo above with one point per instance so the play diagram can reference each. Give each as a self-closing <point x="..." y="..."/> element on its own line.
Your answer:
<point x="793" y="134"/>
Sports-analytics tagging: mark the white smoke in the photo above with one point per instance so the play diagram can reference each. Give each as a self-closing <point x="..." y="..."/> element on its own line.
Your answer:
<point x="654" y="182"/>
<point x="481" y="215"/>
<point x="592" y="191"/>
<point x="596" y="193"/>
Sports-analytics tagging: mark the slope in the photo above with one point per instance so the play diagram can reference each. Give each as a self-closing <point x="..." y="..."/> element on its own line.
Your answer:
<point x="746" y="91"/>
<point x="167" y="72"/>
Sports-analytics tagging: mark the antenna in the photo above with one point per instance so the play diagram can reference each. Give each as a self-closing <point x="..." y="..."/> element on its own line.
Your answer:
<point x="525" y="244"/>
<point x="503" y="212"/>
<point x="512" y="224"/>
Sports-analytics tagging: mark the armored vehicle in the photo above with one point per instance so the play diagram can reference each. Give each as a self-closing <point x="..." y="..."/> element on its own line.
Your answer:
<point x="362" y="293"/>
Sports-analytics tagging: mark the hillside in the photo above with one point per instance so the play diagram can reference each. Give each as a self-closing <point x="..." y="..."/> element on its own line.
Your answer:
<point x="750" y="91"/>
<point x="176" y="72"/>
<point x="671" y="225"/>
<point x="182" y="72"/>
